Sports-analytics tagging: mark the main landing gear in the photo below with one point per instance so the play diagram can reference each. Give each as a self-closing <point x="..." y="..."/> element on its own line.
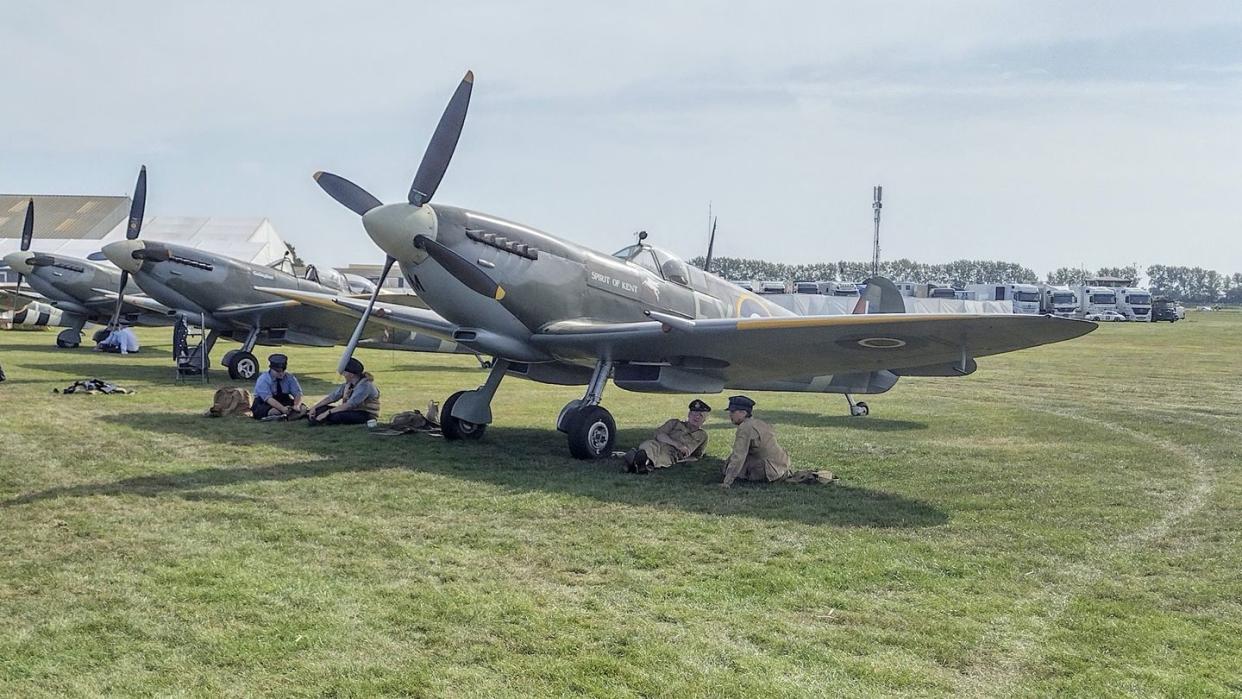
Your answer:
<point x="857" y="409"/>
<point x="240" y="362"/>
<point x="466" y="414"/>
<point x="69" y="338"/>
<point x="590" y="428"/>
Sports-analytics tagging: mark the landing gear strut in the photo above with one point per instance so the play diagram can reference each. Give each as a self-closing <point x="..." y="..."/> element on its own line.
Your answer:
<point x="589" y="427"/>
<point x="857" y="409"/>
<point x="466" y="414"/>
<point x="241" y="363"/>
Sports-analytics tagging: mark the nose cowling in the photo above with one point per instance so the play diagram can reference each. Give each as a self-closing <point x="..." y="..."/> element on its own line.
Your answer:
<point x="394" y="226"/>
<point x="121" y="254"/>
<point x="17" y="262"/>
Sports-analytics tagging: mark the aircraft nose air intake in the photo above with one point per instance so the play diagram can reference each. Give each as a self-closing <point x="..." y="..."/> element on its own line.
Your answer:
<point x="393" y="228"/>
<point x="17" y="262"/>
<point x="121" y="254"/>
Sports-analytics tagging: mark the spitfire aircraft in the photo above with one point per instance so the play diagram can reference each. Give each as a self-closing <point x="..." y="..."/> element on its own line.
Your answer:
<point x="71" y="286"/>
<point x="556" y="312"/>
<point x="225" y="295"/>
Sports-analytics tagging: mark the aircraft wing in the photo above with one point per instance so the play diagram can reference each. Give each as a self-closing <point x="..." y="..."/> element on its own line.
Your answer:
<point x="396" y="316"/>
<point x="10" y="299"/>
<point x="134" y="303"/>
<point x="394" y="298"/>
<point x="758" y="349"/>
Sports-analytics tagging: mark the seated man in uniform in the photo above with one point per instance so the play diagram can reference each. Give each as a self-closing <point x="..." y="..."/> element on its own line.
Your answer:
<point x="674" y="441"/>
<point x="756" y="454"/>
<point x="277" y="393"/>
<point x="360" y="399"/>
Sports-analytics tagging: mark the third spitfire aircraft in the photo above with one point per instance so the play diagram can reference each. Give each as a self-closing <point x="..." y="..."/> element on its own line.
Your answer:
<point x="73" y="285"/>
<point x="224" y="293"/>
<point x="556" y="312"/>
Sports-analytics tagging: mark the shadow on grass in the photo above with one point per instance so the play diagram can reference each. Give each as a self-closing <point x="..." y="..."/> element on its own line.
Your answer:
<point x="520" y="459"/>
<point x="85" y="350"/>
<point x="115" y="368"/>
<point x="810" y="419"/>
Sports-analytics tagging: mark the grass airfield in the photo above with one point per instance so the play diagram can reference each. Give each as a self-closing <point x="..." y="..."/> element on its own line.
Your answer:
<point x="1065" y="521"/>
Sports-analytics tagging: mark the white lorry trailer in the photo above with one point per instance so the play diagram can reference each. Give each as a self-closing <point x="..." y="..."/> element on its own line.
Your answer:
<point x="1024" y="297"/>
<point x="1134" y="304"/>
<point x="1060" y="301"/>
<point x="1096" y="299"/>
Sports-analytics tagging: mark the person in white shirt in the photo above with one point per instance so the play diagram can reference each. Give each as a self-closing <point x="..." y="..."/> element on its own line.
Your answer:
<point x="122" y="340"/>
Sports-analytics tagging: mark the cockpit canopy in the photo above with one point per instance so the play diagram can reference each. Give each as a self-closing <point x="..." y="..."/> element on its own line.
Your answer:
<point x="359" y="284"/>
<point x="326" y="277"/>
<point x="662" y="263"/>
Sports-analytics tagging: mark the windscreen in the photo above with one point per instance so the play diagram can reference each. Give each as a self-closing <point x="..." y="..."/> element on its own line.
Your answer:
<point x="1027" y="296"/>
<point x="1138" y="299"/>
<point x="1103" y="298"/>
<point x="1063" y="299"/>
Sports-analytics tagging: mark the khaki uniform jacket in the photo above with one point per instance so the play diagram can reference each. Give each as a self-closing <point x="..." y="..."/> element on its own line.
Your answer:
<point x="756" y="455"/>
<point x="370" y="404"/>
<point x="664" y="455"/>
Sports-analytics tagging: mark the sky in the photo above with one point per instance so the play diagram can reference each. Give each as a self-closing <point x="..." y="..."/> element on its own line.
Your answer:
<point x="1046" y="133"/>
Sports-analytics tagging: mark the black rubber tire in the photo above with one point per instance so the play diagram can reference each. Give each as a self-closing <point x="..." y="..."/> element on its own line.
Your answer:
<point x="592" y="433"/>
<point x="864" y="411"/>
<point x="454" y="428"/>
<point x="243" y="366"/>
<point x="65" y="345"/>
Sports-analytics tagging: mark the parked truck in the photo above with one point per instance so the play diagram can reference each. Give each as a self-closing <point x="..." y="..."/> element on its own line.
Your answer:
<point x="1024" y="297"/>
<point x="1094" y="300"/>
<point x="1164" y="309"/>
<point x="1060" y="301"/>
<point x="1134" y="304"/>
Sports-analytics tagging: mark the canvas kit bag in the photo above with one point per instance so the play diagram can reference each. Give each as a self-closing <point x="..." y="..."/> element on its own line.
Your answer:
<point x="229" y="401"/>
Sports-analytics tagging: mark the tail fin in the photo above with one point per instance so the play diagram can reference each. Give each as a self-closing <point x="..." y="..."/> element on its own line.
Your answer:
<point x="880" y="296"/>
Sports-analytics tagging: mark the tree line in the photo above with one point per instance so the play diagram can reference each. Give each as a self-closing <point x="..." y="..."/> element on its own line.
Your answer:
<point x="1187" y="284"/>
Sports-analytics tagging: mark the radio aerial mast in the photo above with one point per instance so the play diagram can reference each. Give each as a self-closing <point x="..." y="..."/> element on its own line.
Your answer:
<point x="877" y="193"/>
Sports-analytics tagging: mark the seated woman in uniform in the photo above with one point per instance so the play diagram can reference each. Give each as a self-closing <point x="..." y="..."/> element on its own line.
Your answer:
<point x="277" y="393"/>
<point x="674" y="441"/>
<point x="358" y="396"/>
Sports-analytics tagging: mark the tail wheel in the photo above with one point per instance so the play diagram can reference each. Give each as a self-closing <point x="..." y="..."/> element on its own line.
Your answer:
<point x="860" y="409"/>
<point x="456" y="428"/>
<point x="592" y="433"/>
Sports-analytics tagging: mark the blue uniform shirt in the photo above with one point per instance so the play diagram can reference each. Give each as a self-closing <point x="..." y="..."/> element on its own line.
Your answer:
<point x="265" y="386"/>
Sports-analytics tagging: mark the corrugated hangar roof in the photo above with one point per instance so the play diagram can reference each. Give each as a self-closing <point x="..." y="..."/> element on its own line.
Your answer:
<point x="63" y="217"/>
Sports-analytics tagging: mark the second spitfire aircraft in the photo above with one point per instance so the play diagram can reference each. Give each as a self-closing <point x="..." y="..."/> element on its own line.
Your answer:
<point x="224" y="293"/>
<point x="556" y="312"/>
<point x="72" y="286"/>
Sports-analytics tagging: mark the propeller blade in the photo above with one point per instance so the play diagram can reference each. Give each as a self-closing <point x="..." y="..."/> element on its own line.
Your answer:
<point x="120" y="300"/>
<point x="366" y="315"/>
<point x="443" y="142"/>
<point x="17" y="292"/>
<point x="461" y="268"/>
<point x="137" y="208"/>
<point x="28" y="226"/>
<point x="355" y="198"/>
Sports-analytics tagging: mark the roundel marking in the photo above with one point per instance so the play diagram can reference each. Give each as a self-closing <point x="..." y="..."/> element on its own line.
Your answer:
<point x="881" y="342"/>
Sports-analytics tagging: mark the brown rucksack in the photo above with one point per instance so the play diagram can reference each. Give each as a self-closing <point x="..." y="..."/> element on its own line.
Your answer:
<point x="229" y="401"/>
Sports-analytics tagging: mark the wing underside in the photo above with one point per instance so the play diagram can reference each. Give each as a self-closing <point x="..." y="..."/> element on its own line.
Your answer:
<point x="768" y="349"/>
